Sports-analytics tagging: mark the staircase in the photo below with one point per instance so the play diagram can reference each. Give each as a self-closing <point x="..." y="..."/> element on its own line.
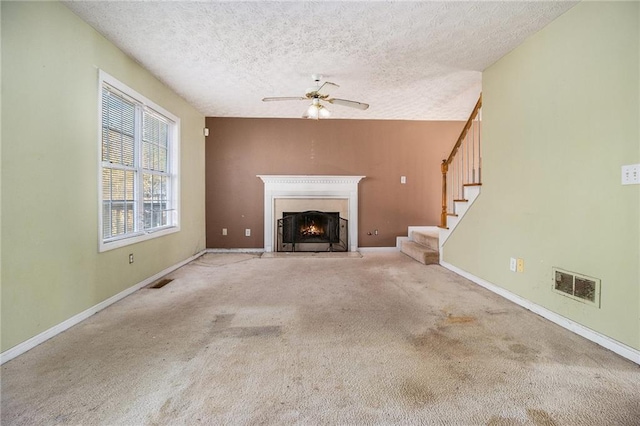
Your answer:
<point x="461" y="183"/>
<point x="422" y="244"/>
<point x="461" y="174"/>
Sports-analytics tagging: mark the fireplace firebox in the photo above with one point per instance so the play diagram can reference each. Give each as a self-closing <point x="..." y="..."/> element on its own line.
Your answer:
<point x="313" y="231"/>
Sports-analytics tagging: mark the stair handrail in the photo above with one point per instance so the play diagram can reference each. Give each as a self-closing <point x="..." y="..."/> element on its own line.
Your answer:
<point x="445" y="163"/>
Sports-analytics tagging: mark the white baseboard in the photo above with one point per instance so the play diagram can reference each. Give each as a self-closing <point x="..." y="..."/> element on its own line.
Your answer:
<point x="579" y="329"/>
<point x="377" y="249"/>
<point x="23" y="347"/>
<point x="235" y="250"/>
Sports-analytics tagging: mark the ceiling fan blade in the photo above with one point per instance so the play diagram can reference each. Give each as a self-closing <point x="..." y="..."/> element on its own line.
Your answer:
<point x="326" y="84"/>
<point x="351" y="104"/>
<point x="284" y="98"/>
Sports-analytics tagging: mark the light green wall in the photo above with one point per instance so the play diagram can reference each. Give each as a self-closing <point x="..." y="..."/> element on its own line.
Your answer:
<point x="51" y="268"/>
<point x="560" y="118"/>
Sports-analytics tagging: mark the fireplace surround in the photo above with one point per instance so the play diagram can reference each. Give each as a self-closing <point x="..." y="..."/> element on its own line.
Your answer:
<point x="309" y="187"/>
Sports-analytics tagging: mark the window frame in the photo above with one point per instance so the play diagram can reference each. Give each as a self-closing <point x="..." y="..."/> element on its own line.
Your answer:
<point x="146" y="105"/>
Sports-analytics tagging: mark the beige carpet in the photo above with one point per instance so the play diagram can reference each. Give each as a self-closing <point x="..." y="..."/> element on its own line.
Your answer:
<point x="382" y="339"/>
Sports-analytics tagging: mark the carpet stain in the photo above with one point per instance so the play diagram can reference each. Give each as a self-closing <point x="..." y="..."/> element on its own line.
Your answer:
<point x="222" y="321"/>
<point x="438" y="342"/>
<point x="431" y="338"/>
<point x="496" y="311"/>
<point x="459" y="320"/>
<point x="525" y="353"/>
<point x="248" y="332"/>
<point x="165" y="409"/>
<point x="416" y="394"/>
<point x="502" y="421"/>
<point x="540" y="417"/>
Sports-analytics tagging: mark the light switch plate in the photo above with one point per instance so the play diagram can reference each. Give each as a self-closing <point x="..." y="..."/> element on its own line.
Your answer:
<point x="512" y="264"/>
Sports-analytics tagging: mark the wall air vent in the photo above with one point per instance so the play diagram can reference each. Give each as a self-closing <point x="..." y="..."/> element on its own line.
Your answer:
<point x="577" y="286"/>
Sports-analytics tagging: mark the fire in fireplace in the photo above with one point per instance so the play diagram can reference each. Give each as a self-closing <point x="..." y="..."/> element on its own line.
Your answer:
<point x="312" y="231"/>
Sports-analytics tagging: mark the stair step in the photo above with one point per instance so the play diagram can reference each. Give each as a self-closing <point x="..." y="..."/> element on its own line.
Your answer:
<point x="429" y="239"/>
<point x="421" y="253"/>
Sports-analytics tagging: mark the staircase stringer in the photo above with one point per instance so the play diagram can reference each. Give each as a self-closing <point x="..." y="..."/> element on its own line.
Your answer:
<point x="471" y="193"/>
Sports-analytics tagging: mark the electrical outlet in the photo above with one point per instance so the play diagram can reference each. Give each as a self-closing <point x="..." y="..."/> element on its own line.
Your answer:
<point x="247" y="232"/>
<point x="512" y="264"/>
<point x="224" y="231"/>
<point x="520" y="265"/>
<point x="130" y="258"/>
<point x="403" y="179"/>
<point x="631" y="174"/>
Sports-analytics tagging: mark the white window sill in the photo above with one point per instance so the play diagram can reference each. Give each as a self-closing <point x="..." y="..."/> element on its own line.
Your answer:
<point x="137" y="239"/>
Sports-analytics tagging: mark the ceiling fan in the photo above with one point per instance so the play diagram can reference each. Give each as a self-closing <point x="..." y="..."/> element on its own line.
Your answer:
<point x="317" y="95"/>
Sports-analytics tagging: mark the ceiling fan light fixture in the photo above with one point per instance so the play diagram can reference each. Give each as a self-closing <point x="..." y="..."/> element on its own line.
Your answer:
<point x="323" y="112"/>
<point x="316" y="111"/>
<point x="313" y="112"/>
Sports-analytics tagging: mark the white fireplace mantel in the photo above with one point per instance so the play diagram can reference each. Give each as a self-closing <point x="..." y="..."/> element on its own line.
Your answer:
<point x="309" y="186"/>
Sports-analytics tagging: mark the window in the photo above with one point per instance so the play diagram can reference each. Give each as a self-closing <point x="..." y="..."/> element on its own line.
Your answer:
<point x="138" y="167"/>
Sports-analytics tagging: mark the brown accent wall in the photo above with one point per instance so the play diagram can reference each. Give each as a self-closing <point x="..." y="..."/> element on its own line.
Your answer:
<point x="238" y="149"/>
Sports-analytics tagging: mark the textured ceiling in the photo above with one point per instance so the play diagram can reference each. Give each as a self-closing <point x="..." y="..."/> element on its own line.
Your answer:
<point x="408" y="60"/>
